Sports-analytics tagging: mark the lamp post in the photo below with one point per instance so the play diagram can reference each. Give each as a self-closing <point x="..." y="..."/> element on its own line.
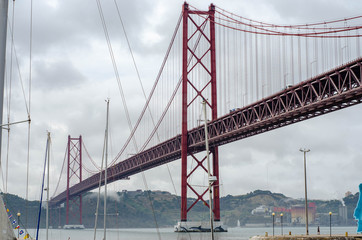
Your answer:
<point x="305" y="190"/>
<point x="18" y="222"/>
<point x="281" y="222"/>
<point x="273" y="214"/>
<point x="330" y="224"/>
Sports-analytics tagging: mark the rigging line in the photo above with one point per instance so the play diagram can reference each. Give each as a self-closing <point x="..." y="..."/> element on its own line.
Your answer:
<point x="42" y="187"/>
<point x="119" y="82"/>
<point x="99" y="189"/>
<point x="152" y="91"/>
<point x="13" y="123"/>
<point x="9" y="95"/>
<point x="21" y="80"/>
<point x="115" y="66"/>
<point x="29" y="125"/>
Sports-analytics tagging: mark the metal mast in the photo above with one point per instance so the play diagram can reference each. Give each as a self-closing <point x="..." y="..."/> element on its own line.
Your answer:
<point x="3" y="31"/>
<point x="47" y="213"/>
<point x="105" y="175"/>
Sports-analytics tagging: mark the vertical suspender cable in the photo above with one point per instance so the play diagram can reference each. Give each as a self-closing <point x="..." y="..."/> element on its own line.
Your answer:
<point x="358" y="44"/>
<point x="299" y="60"/>
<point x="245" y="69"/>
<point x="251" y="67"/>
<point x="306" y="57"/>
<point x="256" y="68"/>
<point x="292" y="60"/>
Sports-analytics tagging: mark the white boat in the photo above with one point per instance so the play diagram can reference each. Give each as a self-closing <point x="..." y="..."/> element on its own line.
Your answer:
<point x="71" y="227"/>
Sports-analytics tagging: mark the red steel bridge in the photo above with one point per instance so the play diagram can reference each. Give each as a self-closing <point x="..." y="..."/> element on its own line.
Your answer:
<point x="254" y="76"/>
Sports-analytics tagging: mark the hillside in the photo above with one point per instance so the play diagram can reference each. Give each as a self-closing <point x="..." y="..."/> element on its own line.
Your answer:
<point x="133" y="209"/>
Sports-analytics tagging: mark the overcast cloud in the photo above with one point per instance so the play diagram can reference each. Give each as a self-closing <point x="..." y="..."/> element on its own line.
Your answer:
<point x="72" y="76"/>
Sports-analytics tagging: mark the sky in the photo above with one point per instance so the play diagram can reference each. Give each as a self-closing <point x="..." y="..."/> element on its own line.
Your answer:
<point x="72" y="75"/>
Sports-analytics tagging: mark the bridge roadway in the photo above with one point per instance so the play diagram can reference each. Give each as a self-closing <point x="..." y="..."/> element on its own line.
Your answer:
<point x="327" y="92"/>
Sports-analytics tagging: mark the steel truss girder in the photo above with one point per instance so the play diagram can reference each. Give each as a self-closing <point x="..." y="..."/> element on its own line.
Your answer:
<point x="331" y="91"/>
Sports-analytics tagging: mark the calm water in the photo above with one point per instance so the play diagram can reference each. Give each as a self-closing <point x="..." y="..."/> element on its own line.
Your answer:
<point x="168" y="234"/>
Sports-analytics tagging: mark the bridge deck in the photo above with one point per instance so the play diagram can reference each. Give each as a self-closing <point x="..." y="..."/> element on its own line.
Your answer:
<point x="331" y="91"/>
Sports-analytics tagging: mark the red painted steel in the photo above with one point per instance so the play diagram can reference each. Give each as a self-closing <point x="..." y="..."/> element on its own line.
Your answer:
<point x="74" y="170"/>
<point x="331" y="91"/>
<point x="214" y="150"/>
<point x="191" y="29"/>
<point x="184" y="115"/>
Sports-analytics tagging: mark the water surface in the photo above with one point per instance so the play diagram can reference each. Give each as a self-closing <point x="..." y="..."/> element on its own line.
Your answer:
<point x="168" y="234"/>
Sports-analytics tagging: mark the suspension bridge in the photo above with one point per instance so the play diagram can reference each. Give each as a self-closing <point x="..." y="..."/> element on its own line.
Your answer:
<point x="254" y="76"/>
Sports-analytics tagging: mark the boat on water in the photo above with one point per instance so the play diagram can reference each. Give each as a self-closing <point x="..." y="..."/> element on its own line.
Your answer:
<point x="199" y="227"/>
<point x="72" y="227"/>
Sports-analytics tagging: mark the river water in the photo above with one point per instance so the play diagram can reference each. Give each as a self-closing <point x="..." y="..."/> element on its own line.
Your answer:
<point x="168" y="234"/>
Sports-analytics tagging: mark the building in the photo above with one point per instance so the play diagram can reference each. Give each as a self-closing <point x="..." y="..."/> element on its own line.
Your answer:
<point x="342" y="211"/>
<point x="261" y="210"/>
<point x="298" y="213"/>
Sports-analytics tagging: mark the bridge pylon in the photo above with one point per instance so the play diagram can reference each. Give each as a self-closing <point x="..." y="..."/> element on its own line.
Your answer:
<point x="74" y="171"/>
<point x="199" y="62"/>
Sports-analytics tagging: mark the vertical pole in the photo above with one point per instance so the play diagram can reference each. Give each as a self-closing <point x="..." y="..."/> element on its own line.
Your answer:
<point x="47" y="213"/>
<point x="306" y="201"/>
<point x="208" y="171"/>
<point x="105" y="176"/>
<point x="80" y="178"/>
<point x="18" y="223"/>
<point x="214" y="110"/>
<point x="281" y="223"/>
<point x="330" y="224"/>
<point x="68" y="176"/>
<point x="305" y="190"/>
<point x="59" y="218"/>
<point x="273" y="214"/>
<point x="3" y="32"/>
<point x="184" y="117"/>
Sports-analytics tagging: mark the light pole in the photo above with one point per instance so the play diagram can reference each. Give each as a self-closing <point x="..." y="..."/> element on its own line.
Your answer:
<point x="330" y="224"/>
<point x="273" y="214"/>
<point x="18" y="222"/>
<point x="281" y="222"/>
<point x="305" y="190"/>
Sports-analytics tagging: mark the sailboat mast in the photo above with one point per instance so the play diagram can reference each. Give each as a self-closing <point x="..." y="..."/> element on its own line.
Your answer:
<point x="47" y="214"/>
<point x="208" y="172"/>
<point x="3" y="31"/>
<point x="105" y="173"/>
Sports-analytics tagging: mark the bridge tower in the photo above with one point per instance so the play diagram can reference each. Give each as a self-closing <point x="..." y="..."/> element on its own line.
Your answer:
<point x="195" y="32"/>
<point x="74" y="171"/>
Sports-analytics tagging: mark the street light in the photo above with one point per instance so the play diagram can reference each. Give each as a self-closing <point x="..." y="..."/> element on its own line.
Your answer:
<point x="330" y="224"/>
<point x="273" y="214"/>
<point x="305" y="190"/>
<point x="18" y="222"/>
<point x="281" y="222"/>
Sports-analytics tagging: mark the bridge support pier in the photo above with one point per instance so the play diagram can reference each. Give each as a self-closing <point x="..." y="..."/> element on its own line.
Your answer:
<point x="74" y="170"/>
<point x="207" y="64"/>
